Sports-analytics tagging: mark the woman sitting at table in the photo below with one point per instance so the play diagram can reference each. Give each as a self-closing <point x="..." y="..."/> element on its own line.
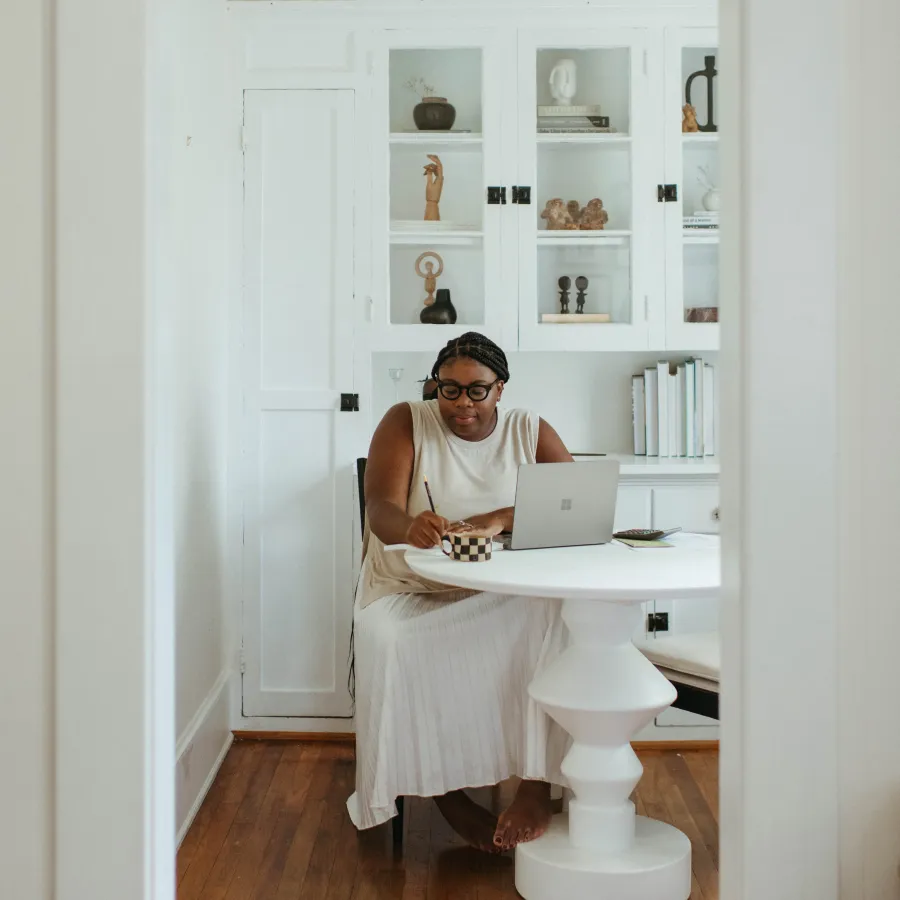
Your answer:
<point x="442" y="673"/>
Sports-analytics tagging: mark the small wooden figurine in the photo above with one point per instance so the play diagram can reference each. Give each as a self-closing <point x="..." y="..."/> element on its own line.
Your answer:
<point x="434" y="184"/>
<point x="558" y="216"/>
<point x="581" y="283"/>
<point x="689" y="119"/>
<point x="564" y="284"/>
<point x="594" y="216"/>
<point x="429" y="274"/>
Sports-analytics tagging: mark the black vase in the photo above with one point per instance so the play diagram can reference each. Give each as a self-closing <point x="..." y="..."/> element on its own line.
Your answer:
<point x="434" y="114"/>
<point x="441" y="312"/>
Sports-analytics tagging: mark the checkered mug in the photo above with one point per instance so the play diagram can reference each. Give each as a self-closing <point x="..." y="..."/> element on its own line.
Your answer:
<point x="467" y="547"/>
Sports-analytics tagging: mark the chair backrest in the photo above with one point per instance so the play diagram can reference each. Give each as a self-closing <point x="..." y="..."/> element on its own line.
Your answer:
<point x="361" y="485"/>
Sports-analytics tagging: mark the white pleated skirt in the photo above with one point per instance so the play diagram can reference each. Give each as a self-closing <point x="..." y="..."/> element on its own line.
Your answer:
<point x="442" y="697"/>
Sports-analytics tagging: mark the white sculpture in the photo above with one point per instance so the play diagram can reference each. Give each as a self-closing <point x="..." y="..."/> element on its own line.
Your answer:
<point x="710" y="199"/>
<point x="563" y="82"/>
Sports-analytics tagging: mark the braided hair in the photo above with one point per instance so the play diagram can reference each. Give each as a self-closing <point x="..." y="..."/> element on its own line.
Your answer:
<point x="476" y="347"/>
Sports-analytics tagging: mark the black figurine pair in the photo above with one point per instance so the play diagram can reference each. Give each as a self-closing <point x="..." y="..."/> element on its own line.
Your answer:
<point x="564" y="284"/>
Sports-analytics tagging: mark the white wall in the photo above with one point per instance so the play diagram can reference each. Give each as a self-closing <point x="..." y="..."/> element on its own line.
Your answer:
<point x="193" y="316"/>
<point x="26" y="606"/>
<point x="868" y="379"/>
<point x="586" y="397"/>
<point x="810" y="731"/>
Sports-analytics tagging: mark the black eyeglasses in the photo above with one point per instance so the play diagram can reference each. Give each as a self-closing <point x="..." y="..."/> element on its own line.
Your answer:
<point x="450" y="390"/>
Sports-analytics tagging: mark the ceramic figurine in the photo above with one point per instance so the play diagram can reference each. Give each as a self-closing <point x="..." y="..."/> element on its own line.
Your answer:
<point x="581" y="283"/>
<point x="689" y="119"/>
<point x="429" y="274"/>
<point x="564" y="284"/>
<point x="434" y="184"/>
<point x="594" y="216"/>
<point x="564" y="82"/>
<point x="574" y="208"/>
<point x="558" y="216"/>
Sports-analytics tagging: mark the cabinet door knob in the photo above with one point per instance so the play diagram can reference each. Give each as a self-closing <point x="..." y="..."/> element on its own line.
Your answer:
<point x="715" y="514"/>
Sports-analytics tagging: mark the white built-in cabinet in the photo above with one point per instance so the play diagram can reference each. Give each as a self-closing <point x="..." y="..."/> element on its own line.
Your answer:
<point x="330" y="205"/>
<point x="500" y="262"/>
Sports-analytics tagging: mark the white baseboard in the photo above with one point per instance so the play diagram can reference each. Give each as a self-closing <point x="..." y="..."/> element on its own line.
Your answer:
<point x="199" y="754"/>
<point x="283" y="723"/>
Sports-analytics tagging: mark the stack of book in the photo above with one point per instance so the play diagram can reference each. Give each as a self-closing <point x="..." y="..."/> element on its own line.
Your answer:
<point x="572" y="120"/>
<point x="702" y="218"/>
<point x="674" y="414"/>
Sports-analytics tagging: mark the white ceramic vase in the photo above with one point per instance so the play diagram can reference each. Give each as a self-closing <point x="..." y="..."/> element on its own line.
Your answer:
<point x="711" y="200"/>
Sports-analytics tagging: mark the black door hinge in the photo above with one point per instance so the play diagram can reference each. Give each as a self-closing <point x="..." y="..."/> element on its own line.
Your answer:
<point x="667" y="193"/>
<point x="657" y="622"/>
<point x="349" y="402"/>
<point x="521" y="194"/>
<point x="496" y="195"/>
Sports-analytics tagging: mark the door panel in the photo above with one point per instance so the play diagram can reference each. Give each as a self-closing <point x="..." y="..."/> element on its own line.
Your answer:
<point x="298" y="292"/>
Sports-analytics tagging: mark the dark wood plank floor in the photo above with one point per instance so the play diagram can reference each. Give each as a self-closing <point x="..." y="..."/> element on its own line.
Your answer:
<point x="274" y="827"/>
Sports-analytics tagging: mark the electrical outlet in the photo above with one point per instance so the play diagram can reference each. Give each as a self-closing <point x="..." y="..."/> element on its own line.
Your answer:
<point x="657" y="622"/>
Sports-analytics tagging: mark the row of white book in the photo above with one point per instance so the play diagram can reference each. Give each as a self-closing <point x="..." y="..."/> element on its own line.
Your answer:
<point x="674" y="413"/>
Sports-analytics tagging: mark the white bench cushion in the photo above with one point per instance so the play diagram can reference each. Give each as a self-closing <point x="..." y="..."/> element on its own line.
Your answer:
<point x="697" y="655"/>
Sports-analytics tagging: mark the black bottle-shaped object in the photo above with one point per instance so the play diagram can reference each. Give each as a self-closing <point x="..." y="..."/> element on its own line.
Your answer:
<point x="441" y="312"/>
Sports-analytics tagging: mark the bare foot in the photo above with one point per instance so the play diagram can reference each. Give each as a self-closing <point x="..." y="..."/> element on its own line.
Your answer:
<point x="473" y="823"/>
<point x="526" y="818"/>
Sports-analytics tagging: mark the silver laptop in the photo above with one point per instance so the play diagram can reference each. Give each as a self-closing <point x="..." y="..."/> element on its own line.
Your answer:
<point x="564" y="504"/>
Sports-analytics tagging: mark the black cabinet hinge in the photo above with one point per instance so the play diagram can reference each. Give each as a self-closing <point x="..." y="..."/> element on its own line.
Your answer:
<point x="657" y="622"/>
<point x="496" y="195"/>
<point x="521" y="194"/>
<point x="667" y="193"/>
<point x="349" y="402"/>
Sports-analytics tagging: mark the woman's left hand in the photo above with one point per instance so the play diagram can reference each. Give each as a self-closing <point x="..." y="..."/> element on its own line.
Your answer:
<point x="489" y="524"/>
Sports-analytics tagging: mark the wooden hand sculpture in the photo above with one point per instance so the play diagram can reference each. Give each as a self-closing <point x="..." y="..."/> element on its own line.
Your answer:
<point x="434" y="184"/>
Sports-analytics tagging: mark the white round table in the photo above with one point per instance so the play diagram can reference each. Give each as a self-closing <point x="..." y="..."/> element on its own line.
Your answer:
<point x="602" y="691"/>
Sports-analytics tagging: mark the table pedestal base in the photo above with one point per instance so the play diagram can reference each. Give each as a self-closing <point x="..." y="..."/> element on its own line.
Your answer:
<point x="656" y="867"/>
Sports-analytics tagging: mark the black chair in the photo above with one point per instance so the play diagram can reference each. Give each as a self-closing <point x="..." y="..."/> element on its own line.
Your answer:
<point x="397" y="823"/>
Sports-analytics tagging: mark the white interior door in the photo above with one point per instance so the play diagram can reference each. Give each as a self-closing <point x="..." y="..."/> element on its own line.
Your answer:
<point x="298" y="292"/>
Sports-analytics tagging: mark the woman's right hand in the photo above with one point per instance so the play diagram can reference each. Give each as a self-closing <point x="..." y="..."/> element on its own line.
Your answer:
<point x="426" y="530"/>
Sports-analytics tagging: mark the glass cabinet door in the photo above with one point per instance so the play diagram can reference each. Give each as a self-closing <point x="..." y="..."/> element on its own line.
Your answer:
<point x="692" y="164"/>
<point x="436" y="248"/>
<point x="585" y="224"/>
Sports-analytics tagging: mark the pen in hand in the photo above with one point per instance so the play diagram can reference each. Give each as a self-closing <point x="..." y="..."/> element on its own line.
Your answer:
<point x="428" y="491"/>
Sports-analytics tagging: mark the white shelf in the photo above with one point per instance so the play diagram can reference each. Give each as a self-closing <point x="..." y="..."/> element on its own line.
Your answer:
<point x="605" y="237"/>
<point x="660" y="465"/>
<point x="461" y="236"/>
<point x="444" y="138"/>
<point x="700" y="137"/>
<point x="699" y="236"/>
<point x="582" y="138"/>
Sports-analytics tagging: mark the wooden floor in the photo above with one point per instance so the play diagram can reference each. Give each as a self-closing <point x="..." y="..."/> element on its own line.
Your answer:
<point x="274" y="826"/>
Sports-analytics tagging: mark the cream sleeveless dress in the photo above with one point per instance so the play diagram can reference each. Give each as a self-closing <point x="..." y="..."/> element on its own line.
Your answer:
<point x="442" y="674"/>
